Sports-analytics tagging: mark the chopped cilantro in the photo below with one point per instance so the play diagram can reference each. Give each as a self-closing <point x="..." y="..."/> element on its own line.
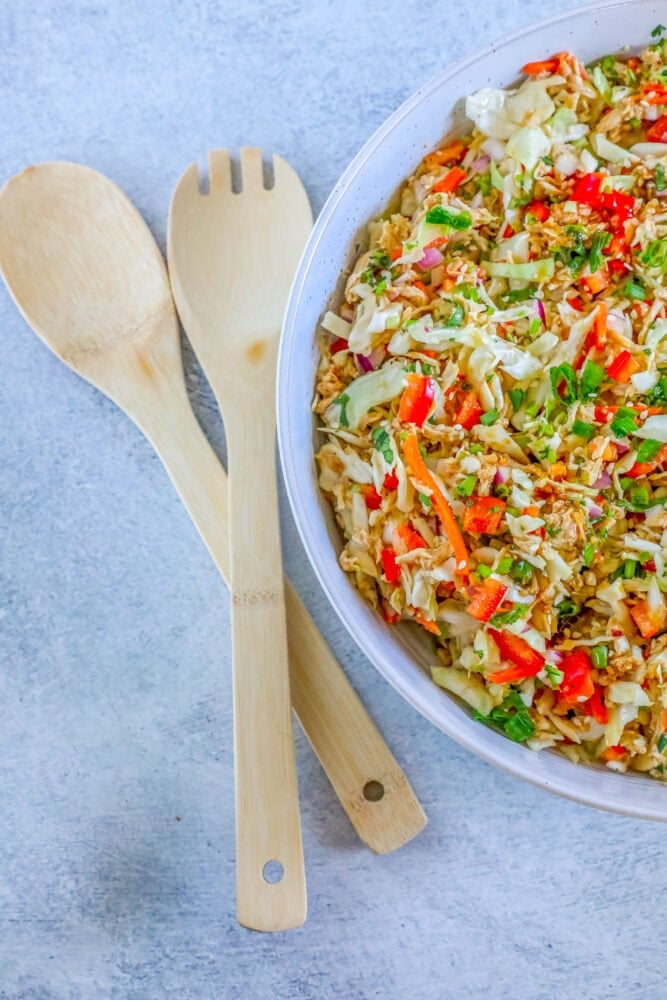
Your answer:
<point x="512" y="717"/>
<point x="517" y="397"/>
<point x="382" y="444"/>
<point x="564" y="382"/>
<point x="456" y="316"/>
<point x="567" y="608"/>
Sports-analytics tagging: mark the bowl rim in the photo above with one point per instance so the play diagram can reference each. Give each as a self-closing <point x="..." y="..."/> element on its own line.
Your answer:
<point x="523" y="767"/>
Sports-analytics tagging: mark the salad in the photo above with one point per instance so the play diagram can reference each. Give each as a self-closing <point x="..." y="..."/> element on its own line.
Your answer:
<point x="493" y="398"/>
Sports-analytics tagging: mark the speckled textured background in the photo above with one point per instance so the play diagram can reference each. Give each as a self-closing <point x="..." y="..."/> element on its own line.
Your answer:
<point x="116" y="818"/>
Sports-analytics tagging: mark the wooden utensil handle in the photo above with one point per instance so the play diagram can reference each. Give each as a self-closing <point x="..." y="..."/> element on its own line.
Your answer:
<point x="349" y="746"/>
<point x="268" y="827"/>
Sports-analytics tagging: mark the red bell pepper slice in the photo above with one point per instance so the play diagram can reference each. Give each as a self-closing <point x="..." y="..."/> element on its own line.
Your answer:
<point x="538" y="210"/>
<point x="339" y="344"/>
<point x="648" y="621"/>
<point x="658" y="130"/>
<point x="409" y="538"/>
<point x="526" y="661"/>
<point x="646" y="468"/>
<point x="577" y="303"/>
<point x="484" y="515"/>
<point x="392" y="572"/>
<point x="372" y="498"/>
<point x="450" y="181"/>
<point x="622" y="367"/>
<point x="542" y="66"/>
<point x="577" y="684"/>
<point x="588" y="189"/>
<point x="621" y="204"/>
<point x="596" y="707"/>
<point x="487" y="599"/>
<point x="417" y="399"/>
<point x="470" y="411"/>
<point x="390" y="481"/>
<point x="654" y="93"/>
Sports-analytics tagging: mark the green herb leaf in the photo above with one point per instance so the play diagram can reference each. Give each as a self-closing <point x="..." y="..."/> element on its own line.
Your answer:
<point x="439" y="216"/>
<point x="567" y="608"/>
<point x="662" y="743"/>
<point x="507" y="617"/>
<point x="599" y="656"/>
<point x="517" y="397"/>
<point x="588" y="554"/>
<point x="584" y="430"/>
<point x="468" y="292"/>
<point x="647" y="450"/>
<point x="512" y="717"/>
<point x="522" y="571"/>
<point x="382" y="444"/>
<point x="342" y="401"/>
<point x="624" y="422"/>
<point x="466" y="487"/>
<point x="456" y="316"/>
<point x="639" y="497"/>
<point x="655" y="255"/>
<point x="601" y="239"/>
<point x="591" y="379"/>
<point x="660" y="179"/>
<point x="634" y="289"/>
<point x="658" y="31"/>
<point x="564" y="382"/>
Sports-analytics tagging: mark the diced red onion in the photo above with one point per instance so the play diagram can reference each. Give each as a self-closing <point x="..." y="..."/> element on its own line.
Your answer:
<point x="501" y="476"/>
<point x="594" y="512"/>
<point x="622" y="448"/>
<point x="616" y="321"/>
<point x="539" y="305"/>
<point x="480" y="164"/>
<point x="364" y="363"/>
<point x="432" y="257"/>
<point x="604" y="482"/>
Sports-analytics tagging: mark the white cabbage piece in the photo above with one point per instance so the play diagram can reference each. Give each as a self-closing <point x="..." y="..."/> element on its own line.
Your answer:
<point x="654" y="428"/>
<point x="469" y="688"/>
<point x="527" y="146"/>
<point x="370" y="320"/>
<point x="656" y="333"/>
<point x="336" y="325"/>
<point x="628" y="693"/>
<point x="609" y="151"/>
<point x="486" y="108"/>
<point x="365" y="392"/>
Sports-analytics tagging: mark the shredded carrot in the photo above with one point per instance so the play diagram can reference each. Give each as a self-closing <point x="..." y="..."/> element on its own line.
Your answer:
<point x="448" y="154"/>
<point x="614" y="753"/>
<point x="600" y="325"/>
<point x="426" y="623"/>
<point x="443" y="510"/>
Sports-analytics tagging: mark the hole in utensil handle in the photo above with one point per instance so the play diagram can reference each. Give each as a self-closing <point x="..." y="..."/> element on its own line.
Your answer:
<point x="373" y="791"/>
<point x="273" y="872"/>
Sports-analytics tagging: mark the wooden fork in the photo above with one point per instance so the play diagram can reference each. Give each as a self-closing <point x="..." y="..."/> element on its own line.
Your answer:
<point x="231" y="262"/>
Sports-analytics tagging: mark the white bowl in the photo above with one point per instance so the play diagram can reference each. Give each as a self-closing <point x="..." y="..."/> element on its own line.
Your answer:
<point x="402" y="654"/>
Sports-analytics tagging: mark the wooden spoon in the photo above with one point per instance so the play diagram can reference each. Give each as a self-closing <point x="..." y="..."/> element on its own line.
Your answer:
<point x="86" y="273"/>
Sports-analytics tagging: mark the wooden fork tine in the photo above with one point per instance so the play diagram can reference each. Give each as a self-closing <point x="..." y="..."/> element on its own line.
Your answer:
<point x="219" y="170"/>
<point x="251" y="169"/>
